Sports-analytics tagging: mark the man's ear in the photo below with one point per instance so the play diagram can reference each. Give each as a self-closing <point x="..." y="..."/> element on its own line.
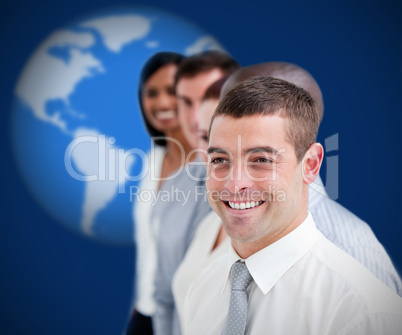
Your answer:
<point x="312" y="162"/>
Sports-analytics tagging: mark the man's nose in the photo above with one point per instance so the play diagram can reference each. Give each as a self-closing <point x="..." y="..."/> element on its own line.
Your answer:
<point x="238" y="180"/>
<point x="194" y="115"/>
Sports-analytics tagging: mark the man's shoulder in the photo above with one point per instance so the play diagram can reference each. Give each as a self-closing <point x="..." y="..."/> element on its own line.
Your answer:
<point x="353" y="235"/>
<point x="345" y="297"/>
<point x="341" y="226"/>
<point x="331" y="211"/>
<point x="358" y="283"/>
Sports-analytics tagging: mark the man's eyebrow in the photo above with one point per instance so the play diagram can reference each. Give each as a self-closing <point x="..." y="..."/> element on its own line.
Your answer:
<point x="267" y="149"/>
<point x="184" y="98"/>
<point x="216" y="150"/>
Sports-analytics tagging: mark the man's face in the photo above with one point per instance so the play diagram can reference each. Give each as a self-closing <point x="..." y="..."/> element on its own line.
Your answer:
<point x="189" y="92"/>
<point x="255" y="183"/>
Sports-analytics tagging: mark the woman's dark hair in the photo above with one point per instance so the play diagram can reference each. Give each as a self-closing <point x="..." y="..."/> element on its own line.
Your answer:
<point x="152" y="65"/>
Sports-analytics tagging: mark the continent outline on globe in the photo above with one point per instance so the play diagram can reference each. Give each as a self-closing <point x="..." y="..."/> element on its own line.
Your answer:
<point x="81" y="82"/>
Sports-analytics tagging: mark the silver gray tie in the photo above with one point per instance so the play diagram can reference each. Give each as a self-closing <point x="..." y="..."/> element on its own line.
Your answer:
<point x="237" y="315"/>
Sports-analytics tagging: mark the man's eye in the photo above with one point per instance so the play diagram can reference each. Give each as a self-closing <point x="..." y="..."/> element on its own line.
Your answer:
<point x="183" y="102"/>
<point x="263" y="160"/>
<point x="218" y="160"/>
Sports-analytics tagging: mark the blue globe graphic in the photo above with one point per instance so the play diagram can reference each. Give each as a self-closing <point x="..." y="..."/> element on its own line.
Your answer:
<point x="78" y="135"/>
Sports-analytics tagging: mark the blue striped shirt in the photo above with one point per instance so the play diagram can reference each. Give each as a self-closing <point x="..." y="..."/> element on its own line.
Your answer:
<point x="352" y="235"/>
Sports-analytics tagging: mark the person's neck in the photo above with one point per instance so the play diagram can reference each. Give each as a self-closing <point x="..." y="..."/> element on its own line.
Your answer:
<point x="177" y="145"/>
<point x="246" y="249"/>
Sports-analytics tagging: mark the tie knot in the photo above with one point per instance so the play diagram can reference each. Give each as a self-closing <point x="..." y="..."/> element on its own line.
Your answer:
<point x="240" y="277"/>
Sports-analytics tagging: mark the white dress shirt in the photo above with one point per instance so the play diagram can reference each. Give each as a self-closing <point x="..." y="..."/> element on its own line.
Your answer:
<point x="145" y="235"/>
<point x="198" y="256"/>
<point x="302" y="284"/>
<point x="340" y="226"/>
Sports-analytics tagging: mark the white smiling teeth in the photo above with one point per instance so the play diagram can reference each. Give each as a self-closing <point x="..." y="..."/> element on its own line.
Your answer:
<point x="244" y="205"/>
<point x="163" y="115"/>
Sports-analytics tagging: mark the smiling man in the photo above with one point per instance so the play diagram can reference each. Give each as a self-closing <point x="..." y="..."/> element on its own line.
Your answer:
<point x="338" y="224"/>
<point x="253" y="215"/>
<point x="281" y="276"/>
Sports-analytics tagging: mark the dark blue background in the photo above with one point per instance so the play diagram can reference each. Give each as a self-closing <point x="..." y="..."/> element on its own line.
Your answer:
<point x="54" y="281"/>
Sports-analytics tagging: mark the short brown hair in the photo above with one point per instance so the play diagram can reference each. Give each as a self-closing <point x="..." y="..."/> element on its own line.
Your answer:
<point x="206" y="61"/>
<point x="213" y="92"/>
<point x="272" y="96"/>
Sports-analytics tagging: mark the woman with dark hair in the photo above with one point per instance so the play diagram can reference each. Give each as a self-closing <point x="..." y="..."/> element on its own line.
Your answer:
<point x="156" y="96"/>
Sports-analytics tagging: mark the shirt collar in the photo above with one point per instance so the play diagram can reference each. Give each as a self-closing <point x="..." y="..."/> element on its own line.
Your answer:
<point x="268" y="265"/>
<point x="196" y="169"/>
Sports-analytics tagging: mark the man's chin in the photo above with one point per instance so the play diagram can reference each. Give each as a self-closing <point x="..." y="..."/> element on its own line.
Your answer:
<point x="238" y="228"/>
